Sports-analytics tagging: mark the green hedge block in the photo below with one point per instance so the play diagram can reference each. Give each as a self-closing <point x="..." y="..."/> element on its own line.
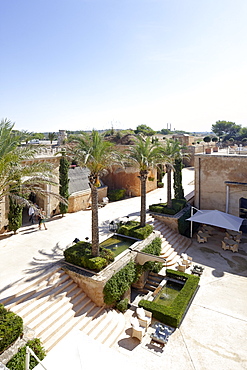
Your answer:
<point x="154" y="247"/>
<point x="173" y="314"/>
<point x="119" y="283"/>
<point x="11" y="327"/>
<point x="80" y="255"/>
<point x="133" y="229"/>
<point x="177" y="205"/>
<point x="116" y="194"/>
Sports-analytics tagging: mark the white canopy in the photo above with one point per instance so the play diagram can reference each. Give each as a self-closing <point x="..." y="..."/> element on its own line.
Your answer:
<point x="217" y="218"/>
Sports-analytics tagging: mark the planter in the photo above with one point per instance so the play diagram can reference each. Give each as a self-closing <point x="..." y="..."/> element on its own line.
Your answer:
<point x="208" y="150"/>
<point x="215" y="149"/>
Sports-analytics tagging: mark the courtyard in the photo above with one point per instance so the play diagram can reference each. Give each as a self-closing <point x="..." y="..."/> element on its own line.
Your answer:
<point x="214" y="330"/>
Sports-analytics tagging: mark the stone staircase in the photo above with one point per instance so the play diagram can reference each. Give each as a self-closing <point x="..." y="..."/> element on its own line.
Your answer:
<point x="173" y="244"/>
<point x="152" y="282"/>
<point x="54" y="304"/>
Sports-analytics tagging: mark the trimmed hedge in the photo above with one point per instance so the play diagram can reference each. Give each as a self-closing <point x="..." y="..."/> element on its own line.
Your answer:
<point x="177" y="205"/>
<point x="18" y="361"/>
<point x="172" y="315"/>
<point x="116" y="194"/>
<point x="154" y="247"/>
<point x="80" y="255"/>
<point x="11" y="327"/>
<point x="133" y="229"/>
<point x="119" y="283"/>
<point x="122" y="305"/>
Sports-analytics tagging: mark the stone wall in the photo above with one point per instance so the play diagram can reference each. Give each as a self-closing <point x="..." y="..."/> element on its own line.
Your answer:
<point x="93" y="285"/>
<point x="81" y="200"/>
<point x="127" y="178"/>
<point x="212" y="172"/>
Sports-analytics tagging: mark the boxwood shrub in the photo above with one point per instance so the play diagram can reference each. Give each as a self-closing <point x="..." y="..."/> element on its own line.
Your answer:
<point x="80" y="255"/>
<point x="133" y="229"/>
<point x="154" y="247"/>
<point x="11" y="327"/>
<point x="119" y="283"/>
<point x="172" y="315"/>
<point x="177" y="205"/>
<point x="18" y="361"/>
<point x="116" y="194"/>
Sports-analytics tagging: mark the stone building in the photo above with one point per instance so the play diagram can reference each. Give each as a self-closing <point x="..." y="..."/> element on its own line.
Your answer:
<point x="221" y="182"/>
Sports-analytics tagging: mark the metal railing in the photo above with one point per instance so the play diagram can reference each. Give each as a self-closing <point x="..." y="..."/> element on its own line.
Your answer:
<point x="29" y="352"/>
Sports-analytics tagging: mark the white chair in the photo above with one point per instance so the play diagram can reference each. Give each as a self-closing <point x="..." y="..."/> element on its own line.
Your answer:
<point x="200" y="239"/>
<point x="181" y="267"/>
<point x="138" y="331"/>
<point x="186" y="260"/>
<point x="144" y="317"/>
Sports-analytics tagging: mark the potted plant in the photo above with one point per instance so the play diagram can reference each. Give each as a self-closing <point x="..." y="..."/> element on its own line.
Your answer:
<point x="215" y="148"/>
<point x="207" y="139"/>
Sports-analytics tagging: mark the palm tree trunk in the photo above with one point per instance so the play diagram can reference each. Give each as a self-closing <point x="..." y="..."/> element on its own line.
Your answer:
<point x="95" y="222"/>
<point x="143" y="179"/>
<point x="169" y="186"/>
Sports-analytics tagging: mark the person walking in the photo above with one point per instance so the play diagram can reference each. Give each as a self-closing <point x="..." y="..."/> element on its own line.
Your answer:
<point x="31" y="214"/>
<point x="41" y="219"/>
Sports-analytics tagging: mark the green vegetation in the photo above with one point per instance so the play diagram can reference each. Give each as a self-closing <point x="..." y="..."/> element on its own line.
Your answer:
<point x="64" y="182"/>
<point x="117" y="194"/>
<point x="11" y="327"/>
<point x="177" y="177"/>
<point x="177" y="205"/>
<point x="122" y="305"/>
<point x="154" y="247"/>
<point x="119" y="283"/>
<point x="80" y="255"/>
<point x="144" y="155"/>
<point x="145" y="130"/>
<point x="14" y="215"/>
<point x="93" y="152"/>
<point x="18" y="361"/>
<point x="133" y="229"/>
<point x="173" y="314"/>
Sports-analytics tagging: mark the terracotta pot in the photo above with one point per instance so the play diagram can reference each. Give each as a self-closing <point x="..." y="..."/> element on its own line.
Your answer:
<point x="208" y="150"/>
<point x="215" y="149"/>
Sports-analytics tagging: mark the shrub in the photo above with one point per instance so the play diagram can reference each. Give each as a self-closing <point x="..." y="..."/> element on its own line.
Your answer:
<point x="119" y="283"/>
<point x="116" y="194"/>
<point x="184" y="225"/>
<point x="18" y="361"/>
<point x="177" y="205"/>
<point x="133" y="229"/>
<point x="153" y="266"/>
<point x="11" y="327"/>
<point x="80" y="255"/>
<point x="173" y="314"/>
<point x="122" y="305"/>
<point x="154" y="247"/>
<point x="160" y="184"/>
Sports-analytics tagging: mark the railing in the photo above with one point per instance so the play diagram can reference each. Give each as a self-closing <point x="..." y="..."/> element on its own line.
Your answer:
<point x="29" y="352"/>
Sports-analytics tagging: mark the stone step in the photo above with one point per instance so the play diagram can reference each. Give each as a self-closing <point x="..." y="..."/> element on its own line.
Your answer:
<point x="18" y="299"/>
<point x="113" y="332"/>
<point x="52" y="310"/>
<point x="72" y="323"/>
<point x="25" y="286"/>
<point x="39" y="297"/>
<point x="42" y="310"/>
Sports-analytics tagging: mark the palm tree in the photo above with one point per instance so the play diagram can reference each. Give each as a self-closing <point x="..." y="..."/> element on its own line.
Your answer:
<point x="93" y="152"/>
<point x="51" y="136"/>
<point x="145" y="155"/>
<point x="173" y="151"/>
<point x="18" y="179"/>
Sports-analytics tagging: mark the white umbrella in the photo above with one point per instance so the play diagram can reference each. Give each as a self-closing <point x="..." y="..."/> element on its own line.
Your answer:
<point x="217" y="218"/>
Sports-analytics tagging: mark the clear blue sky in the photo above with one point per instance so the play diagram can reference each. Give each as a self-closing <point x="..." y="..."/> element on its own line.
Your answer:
<point x="83" y="64"/>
